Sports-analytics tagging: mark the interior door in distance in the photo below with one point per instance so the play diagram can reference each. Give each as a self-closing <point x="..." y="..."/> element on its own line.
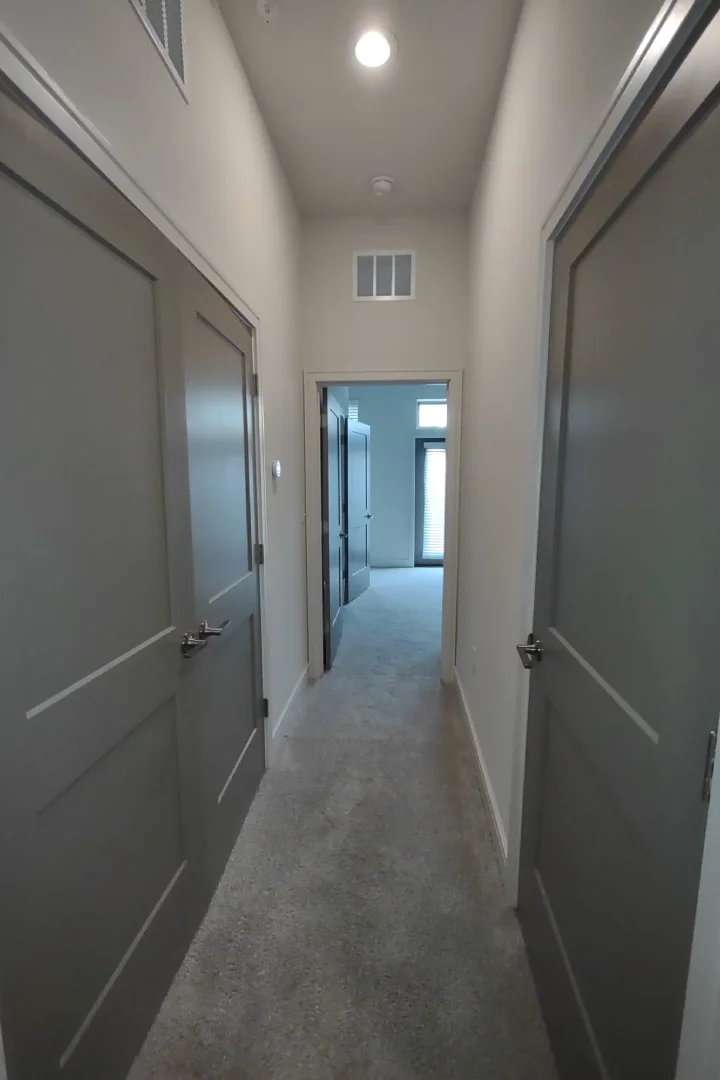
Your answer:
<point x="359" y="513"/>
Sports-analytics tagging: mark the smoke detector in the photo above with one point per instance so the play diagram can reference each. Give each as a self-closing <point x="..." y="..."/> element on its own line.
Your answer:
<point x="382" y="185"/>
<point x="267" y="10"/>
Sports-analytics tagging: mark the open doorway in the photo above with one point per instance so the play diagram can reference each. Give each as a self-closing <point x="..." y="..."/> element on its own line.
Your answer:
<point x="382" y="469"/>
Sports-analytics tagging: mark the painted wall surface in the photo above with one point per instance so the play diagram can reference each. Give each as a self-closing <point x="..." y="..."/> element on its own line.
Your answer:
<point x="391" y="412"/>
<point x="431" y="332"/>
<point x="567" y="59"/>
<point x="210" y="166"/>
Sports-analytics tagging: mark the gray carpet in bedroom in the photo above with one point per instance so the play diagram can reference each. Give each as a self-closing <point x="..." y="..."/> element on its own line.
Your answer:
<point x="360" y="931"/>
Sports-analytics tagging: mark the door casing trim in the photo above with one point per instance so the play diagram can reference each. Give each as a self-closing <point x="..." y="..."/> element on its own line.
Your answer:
<point x="664" y="42"/>
<point x="313" y="381"/>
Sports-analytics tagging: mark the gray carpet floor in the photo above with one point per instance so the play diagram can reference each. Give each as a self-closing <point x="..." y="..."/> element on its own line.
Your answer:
<point x="361" y="931"/>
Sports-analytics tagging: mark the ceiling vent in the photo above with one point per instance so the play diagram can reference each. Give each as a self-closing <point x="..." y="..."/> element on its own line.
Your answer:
<point x="163" y="20"/>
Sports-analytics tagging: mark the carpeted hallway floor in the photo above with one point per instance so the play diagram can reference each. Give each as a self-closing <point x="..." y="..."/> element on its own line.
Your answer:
<point x="360" y="931"/>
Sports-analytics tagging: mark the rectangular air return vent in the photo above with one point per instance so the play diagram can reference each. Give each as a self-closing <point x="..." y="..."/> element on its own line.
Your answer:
<point x="384" y="275"/>
<point x="163" y="20"/>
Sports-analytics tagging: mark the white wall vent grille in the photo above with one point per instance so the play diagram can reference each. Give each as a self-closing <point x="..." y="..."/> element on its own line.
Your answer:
<point x="384" y="275"/>
<point x="163" y="20"/>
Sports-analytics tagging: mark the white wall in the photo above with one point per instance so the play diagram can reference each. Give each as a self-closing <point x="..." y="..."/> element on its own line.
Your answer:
<point x="210" y="167"/>
<point x="428" y="333"/>
<point x="391" y="412"/>
<point x="567" y="59"/>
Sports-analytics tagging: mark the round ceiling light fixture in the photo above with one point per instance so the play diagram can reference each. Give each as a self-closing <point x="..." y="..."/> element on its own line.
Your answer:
<point x="373" y="49"/>
<point x="382" y="185"/>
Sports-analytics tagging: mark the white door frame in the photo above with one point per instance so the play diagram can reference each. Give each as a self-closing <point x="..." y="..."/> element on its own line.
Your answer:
<point x="313" y="381"/>
<point x="700" y="1042"/>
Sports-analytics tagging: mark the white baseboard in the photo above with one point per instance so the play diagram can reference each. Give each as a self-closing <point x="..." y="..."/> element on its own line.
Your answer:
<point x="291" y="709"/>
<point x="501" y="842"/>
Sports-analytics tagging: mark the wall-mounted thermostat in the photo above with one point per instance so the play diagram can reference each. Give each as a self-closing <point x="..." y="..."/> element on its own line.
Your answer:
<point x="277" y="470"/>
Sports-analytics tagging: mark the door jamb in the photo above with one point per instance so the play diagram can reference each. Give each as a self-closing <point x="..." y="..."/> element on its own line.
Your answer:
<point x="313" y="381"/>
<point x="664" y="42"/>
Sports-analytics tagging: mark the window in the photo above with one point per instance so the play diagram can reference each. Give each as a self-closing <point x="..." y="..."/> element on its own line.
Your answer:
<point x="430" y="502"/>
<point x="432" y="414"/>
<point x="434" y="511"/>
<point x="384" y="275"/>
<point x="353" y="410"/>
<point x="163" y="21"/>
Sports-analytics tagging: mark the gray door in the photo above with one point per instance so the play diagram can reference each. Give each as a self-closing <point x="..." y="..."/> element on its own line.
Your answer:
<point x="224" y="685"/>
<point x="628" y="691"/>
<point x="98" y="841"/>
<point x="359" y="514"/>
<point x="334" y="522"/>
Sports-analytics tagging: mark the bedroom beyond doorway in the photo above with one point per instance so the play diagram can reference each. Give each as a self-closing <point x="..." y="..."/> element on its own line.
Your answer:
<point x="383" y="480"/>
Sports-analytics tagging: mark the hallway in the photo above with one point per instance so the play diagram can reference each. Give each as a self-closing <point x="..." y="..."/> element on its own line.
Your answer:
<point x="360" y="929"/>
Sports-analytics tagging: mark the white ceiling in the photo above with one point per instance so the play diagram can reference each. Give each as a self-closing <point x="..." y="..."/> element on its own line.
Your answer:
<point x="424" y="119"/>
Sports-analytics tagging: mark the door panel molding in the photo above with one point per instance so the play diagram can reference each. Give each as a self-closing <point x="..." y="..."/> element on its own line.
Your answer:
<point x="75" y="1041"/>
<point x="36" y="710"/>
<point x="236" y="766"/>
<point x="633" y="714"/>
<point x="602" y="1070"/>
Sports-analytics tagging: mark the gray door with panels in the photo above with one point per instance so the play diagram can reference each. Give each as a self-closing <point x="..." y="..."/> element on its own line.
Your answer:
<point x="625" y="694"/>
<point x="359" y="514"/>
<point x="334" y="521"/>
<point x="104" y="748"/>
<point x="224" y="688"/>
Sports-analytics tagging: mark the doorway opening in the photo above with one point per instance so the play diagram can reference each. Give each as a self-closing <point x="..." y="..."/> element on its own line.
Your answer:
<point x="381" y="468"/>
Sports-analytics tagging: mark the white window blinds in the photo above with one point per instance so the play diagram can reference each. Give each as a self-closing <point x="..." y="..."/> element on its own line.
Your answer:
<point x="354" y="410"/>
<point x="434" y="509"/>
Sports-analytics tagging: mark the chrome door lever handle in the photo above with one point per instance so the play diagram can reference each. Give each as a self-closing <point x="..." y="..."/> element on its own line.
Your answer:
<point x="369" y="516"/>
<point x="190" y="645"/>
<point x="531" y="650"/>
<point x="205" y="631"/>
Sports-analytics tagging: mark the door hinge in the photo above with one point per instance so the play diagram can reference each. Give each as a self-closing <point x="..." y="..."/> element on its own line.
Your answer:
<point x="323" y="421"/>
<point x="266" y="708"/>
<point x="260" y="554"/>
<point x="256" y="384"/>
<point x="709" y="765"/>
<point x="326" y="528"/>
